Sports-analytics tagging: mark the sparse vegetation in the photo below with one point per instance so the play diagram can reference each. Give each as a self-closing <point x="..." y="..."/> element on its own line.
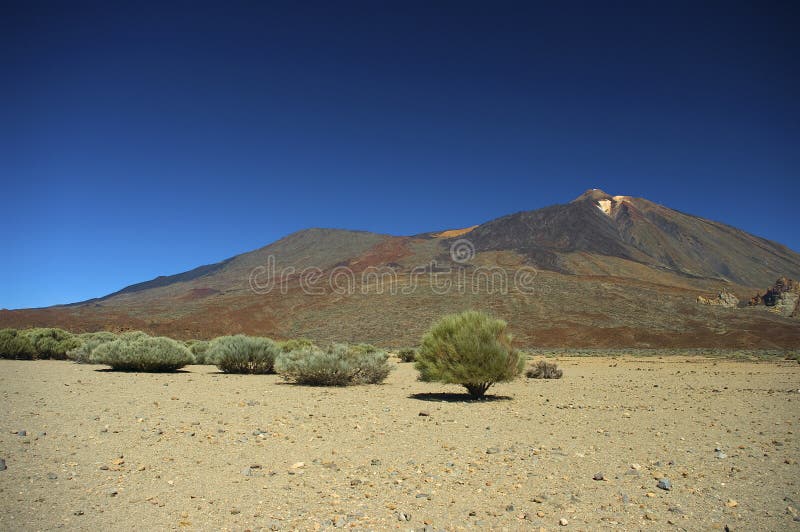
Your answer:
<point x="243" y="354"/>
<point x="15" y="346"/>
<point x="471" y="349"/>
<point x="294" y="344"/>
<point x="544" y="370"/>
<point x="407" y="355"/>
<point x="49" y="342"/>
<point x="136" y="351"/>
<point x="339" y="365"/>
<point x="89" y="341"/>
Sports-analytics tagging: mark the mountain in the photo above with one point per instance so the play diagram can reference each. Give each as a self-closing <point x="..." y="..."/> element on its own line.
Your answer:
<point x="600" y="271"/>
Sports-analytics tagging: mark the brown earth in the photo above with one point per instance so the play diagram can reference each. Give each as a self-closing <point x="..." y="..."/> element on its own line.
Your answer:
<point x="107" y="450"/>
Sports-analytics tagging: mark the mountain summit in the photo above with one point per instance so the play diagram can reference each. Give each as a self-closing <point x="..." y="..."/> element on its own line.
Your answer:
<point x="601" y="270"/>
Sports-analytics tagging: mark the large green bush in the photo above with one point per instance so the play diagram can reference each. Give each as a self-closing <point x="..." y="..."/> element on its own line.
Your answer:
<point x="14" y="345"/>
<point x="136" y="351"/>
<point x="243" y="354"/>
<point x="409" y="354"/>
<point x="471" y="349"/>
<point x="49" y="342"/>
<point x="339" y="365"/>
<point x="199" y="349"/>
<point x="89" y="341"/>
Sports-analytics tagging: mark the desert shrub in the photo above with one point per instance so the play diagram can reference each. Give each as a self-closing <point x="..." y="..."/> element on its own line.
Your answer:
<point x="15" y="346"/>
<point x="471" y="349"/>
<point x="199" y="349"/>
<point x="294" y="344"/>
<point x="136" y="351"/>
<point x="544" y="370"/>
<point x="407" y="355"/>
<point x="89" y="341"/>
<point x="243" y="354"/>
<point x="49" y="342"/>
<point x="339" y="365"/>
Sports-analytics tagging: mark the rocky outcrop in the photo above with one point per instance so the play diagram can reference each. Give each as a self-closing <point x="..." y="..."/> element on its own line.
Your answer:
<point x="724" y="299"/>
<point x="782" y="298"/>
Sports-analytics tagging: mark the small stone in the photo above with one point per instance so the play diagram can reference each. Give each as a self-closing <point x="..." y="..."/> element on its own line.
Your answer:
<point x="492" y="450"/>
<point x="402" y="516"/>
<point x="472" y="513"/>
<point x="3" y="465"/>
<point x="298" y="465"/>
<point x="563" y="522"/>
<point x="77" y="512"/>
<point x="22" y="433"/>
<point x="235" y="511"/>
<point x="731" y="503"/>
<point x="540" y="514"/>
<point x="112" y="492"/>
<point x="664" y="484"/>
<point x="339" y="521"/>
<point x="636" y="467"/>
<point x="510" y="508"/>
<point x="247" y="472"/>
<point x="598" y="476"/>
<point x="52" y="476"/>
<point x="375" y="462"/>
<point x="720" y="455"/>
<point x="423" y="496"/>
<point x="424" y="413"/>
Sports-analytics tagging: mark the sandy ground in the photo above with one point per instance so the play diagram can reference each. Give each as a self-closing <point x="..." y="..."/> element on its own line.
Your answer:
<point x="203" y="450"/>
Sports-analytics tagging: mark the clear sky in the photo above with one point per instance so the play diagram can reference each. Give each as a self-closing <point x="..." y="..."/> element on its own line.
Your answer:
<point x="140" y="138"/>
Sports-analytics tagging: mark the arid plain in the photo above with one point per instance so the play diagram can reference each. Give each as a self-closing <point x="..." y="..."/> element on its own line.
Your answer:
<point x="87" y="448"/>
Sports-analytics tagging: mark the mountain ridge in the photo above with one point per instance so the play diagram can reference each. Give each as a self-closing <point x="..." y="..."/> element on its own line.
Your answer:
<point x="607" y="269"/>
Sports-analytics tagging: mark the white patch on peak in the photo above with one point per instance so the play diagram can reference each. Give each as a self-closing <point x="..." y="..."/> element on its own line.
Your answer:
<point x="605" y="206"/>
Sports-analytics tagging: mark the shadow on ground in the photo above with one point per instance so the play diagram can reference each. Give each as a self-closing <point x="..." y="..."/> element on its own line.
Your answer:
<point x="457" y="398"/>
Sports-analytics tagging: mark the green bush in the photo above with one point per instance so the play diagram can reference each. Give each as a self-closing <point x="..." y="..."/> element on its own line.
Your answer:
<point x="294" y="344"/>
<point x="339" y="365"/>
<point x="243" y="354"/>
<point x="544" y="370"/>
<point x="136" y="351"/>
<point x="199" y="349"/>
<point x="471" y="349"/>
<point x="89" y="341"/>
<point x="15" y="346"/>
<point x="407" y="355"/>
<point x="49" y="342"/>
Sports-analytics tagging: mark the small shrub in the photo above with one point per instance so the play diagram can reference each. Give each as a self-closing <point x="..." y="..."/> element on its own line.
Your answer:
<point x="294" y="344"/>
<point x="49" y="342"/>
<point x="544" y="370"/>
<point x="243" y="354"/>
<point x="339" y="365"/>
<point x="471" y="349"/>
<point x="199" y="349"/>
<point x="89" y="341"/>
<point x="136" y="351"/>
<point x="407" y="355"/>
<point x="15" y="346"/>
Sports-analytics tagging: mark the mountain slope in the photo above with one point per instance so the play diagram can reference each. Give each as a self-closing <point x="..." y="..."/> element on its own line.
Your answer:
<point x="599" y="271"/>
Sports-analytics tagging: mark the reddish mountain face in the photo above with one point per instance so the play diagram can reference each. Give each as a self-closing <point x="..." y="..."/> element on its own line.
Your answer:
<point x="600" y="271"/>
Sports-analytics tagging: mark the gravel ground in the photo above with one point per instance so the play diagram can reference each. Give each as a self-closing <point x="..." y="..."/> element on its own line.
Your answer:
<point x="86" y="448"/>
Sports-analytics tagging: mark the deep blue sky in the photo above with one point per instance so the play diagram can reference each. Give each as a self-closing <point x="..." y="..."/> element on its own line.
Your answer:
<point x="146" y="138"/>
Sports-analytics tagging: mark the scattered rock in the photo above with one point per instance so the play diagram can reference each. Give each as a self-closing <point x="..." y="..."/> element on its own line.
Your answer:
<point x="510" y="508"/>
<point x="375" y="462"/>
<point x="424" y="413"/>
<point x="77" y="512"/>
<point x="52" y="476"/>
<point x="112" y="492"/>
<point x="664" y="484"/>
<point x="720" y="454"/>
<point x="402" y="516"/>
<point x="492" y="450"/>
<point x="563" y="522"/>
<point x="598" y="476"/>
<point x="3" y="465"/>
<point x="22" y="433"/>
<point x="298" y="465"/>
<point x="423" y="496"/>
<point x="731" y="503"/>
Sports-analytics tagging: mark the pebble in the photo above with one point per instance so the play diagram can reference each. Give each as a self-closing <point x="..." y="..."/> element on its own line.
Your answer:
<point x="731" y="503"/>
<point x="598" y="476"/>
<point x="563" y="522"/>
<point x="52" y="476"/>
<point x="664" y="484"/>
<point x="423" y="496"/>
<point x="22" y="433"/>
<point x="3" y="465"/>
<point x="424" y="413"/>
<point x="375" y="462"/>
<point x="492" y="450"/>
<point x="510" y="508"/>
<point x="112" y="492"/>
<point x="402" y="516"/>
<point x="720" y="455"/>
